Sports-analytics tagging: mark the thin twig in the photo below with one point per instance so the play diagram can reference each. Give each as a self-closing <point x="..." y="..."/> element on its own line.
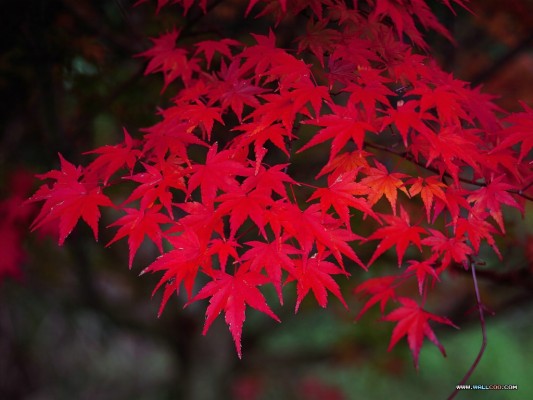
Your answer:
<point x="483" y="333"/>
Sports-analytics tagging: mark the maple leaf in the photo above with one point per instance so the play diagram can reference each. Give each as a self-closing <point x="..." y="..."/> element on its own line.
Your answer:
<point x="181" y="265"/>
<point x="401" y="14"/>
<point x="258" y="135"/>
<point x="407" y="118"/>
<point x="218" y="172"/>
<point x="111" y="158"/>
<point x="455" y="200"/>
<point x="156" y="183"/>
<point x="413" y="322"/>
<point x="341" y="194"/>
<point x="356" y="50"/>
<point x="224" y="248"/>
<point x="428" y="188"/>
<point x="318" y="39"/>
<point x="241" y="205"/>
<point x="345" y="162"/>
<point x="381" y="290"/>
<point x="449" y="150"/>
<point x="341" y="126"/>
<point x="234" y="91"/>
<point x="369" y="90"/>
<point x="314" y="273"/>
<point x="491" y="197"/>
<point x="231" y="294"/>
<point x="269" y="180"/>
<point x="446" y="98"/>
<point x="324" y="230"/>
<point x="398" y="232"/>
<point x="137" y="224"/>
<point x="170" y="137"/>
<point x="201" y="219"/>
<point x="477" y="228"/>
<point x="452" y="248"/>
<point x="273" y="257"/>
<point x="68" y="200"/>
<point x="209" y="47"/>
<point x="384" y="183"/>
<point x="305" y="92"/>
<point x="422" y="269"/>
<point x="519" y="131"/>
<point x="260" y="57"/>
<point x="196" y="115"/>
<point x="277" y="108"/>
<point x="173" y="62"/>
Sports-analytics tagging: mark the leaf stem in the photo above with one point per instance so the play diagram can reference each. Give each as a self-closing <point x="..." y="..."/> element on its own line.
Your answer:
<point x="483" y="333"/>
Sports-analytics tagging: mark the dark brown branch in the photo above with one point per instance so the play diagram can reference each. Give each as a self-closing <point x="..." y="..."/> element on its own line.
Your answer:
<point x="483" y="333"/>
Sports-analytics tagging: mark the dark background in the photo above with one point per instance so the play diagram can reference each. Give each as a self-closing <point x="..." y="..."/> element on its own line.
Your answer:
<point x="76" y="324"/>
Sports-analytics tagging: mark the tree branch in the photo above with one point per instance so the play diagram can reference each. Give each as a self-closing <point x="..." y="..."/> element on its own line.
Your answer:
<point x="483" y="333"/>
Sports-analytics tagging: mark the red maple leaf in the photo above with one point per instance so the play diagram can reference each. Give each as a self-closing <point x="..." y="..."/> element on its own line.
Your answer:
<point x="273" y="257"/>
<point x="156" y="182"/>
<point x="258" y="135"/>
<point x="413" y="322"/>
<point x="223" y="248"/>
<point x="477" y="228"/>
<point x="380" y="290"/>
<point x="341" y="126"/>
<point x="181" y="265"/>
<point x="369" y="90"/>
<point x="519" y="131"/>
<point x="428" y="188"/>
<point x="382" y="182"/>
<point x="341" y="194"/>
<point x="446" y="98"/>
<point x="451" y="248"/>
<point x="194" y="115"/>
<point x="314" y="273"/>
<point x="325" y="233"/>
<point x="407" y="118"/>
<point x="218" y="172"/>
<point x="69" y="199"/>
<point x="201" y="219"/>
<point x="231" y="294"/>
<point x="318" y="39"/>
<point x="455" y="200"/>
<point x="399" y="232"/>
<point x="137" y="224"/>
<point x="422" y="269"/>
<point x="491" y="197"/>
<point x="111" y="158"/>
<point x="449" y="150"/>
<point x="173" y="62"/>
<point x="241" y="205"/>
<point x="234" y="91"/>
<point x="269" y="180"/>
<point x="209" y="47"/>
<point x="345" y="162"/>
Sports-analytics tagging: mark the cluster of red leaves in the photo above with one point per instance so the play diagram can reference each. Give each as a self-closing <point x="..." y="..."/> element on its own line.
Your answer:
<point x="426" y="161"/>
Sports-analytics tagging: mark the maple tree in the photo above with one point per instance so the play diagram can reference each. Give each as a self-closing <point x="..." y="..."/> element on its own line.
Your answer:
<point x="425" y="161"/>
